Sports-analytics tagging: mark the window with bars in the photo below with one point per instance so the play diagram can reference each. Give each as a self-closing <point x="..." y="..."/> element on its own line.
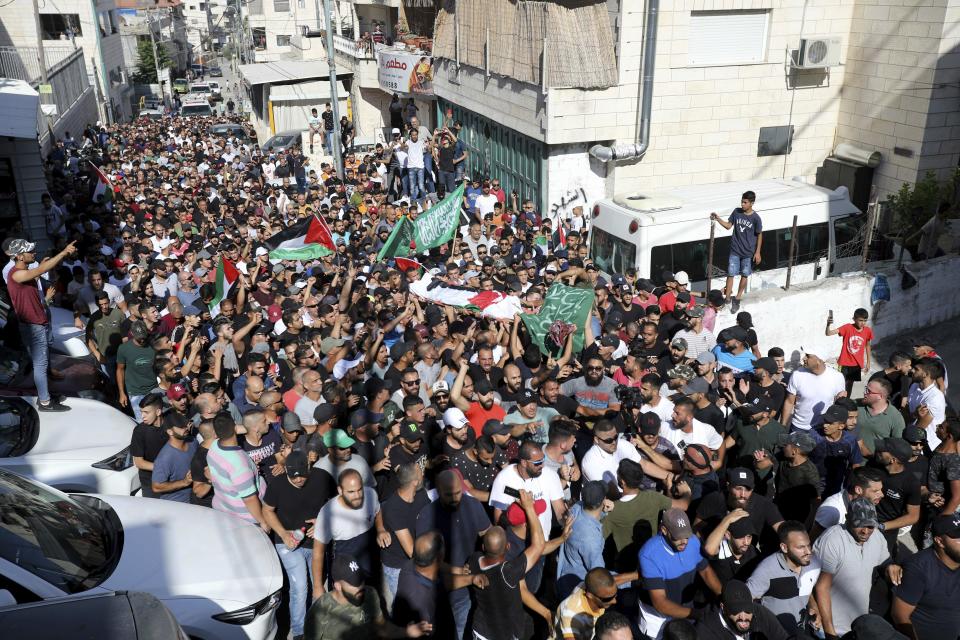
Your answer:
<point x="281" y="6"/>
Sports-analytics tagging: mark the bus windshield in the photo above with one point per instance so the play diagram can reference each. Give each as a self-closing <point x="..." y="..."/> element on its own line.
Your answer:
<point x="610" y="253"/>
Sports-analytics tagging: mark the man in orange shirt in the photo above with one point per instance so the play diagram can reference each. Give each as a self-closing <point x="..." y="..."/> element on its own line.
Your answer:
<point x="481" y="409"/>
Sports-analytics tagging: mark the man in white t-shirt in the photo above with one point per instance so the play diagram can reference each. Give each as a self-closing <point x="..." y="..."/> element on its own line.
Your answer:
<point x="530" y="475"/>
<point x="864" y="482"/>
<point x="485" y="201"/>
<point x="682" y="430"/>
<point x="810" y="392"/>
<point x="927" y="404"/>
<point x="603" y="459"/>
<point x="348" y="524"/>
<point x="414" y="147"/>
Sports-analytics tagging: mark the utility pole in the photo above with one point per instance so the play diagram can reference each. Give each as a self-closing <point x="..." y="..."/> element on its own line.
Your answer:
<point x="41" y="56"/>
<point x="334" y="100"/>
<point x="156" y="61"/>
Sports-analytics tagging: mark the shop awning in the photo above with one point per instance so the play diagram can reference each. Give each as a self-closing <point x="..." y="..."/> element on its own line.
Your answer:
<point x="316" y="90"/>
<point x="286" y="71"/>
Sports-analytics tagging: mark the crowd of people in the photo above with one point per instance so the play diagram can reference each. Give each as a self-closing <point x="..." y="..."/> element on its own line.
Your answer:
<point x="427" y="470"/>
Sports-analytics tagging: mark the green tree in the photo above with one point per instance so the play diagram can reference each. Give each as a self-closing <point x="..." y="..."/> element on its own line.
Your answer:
<point x="914" y="204"/>
<point x="146" y="70"/>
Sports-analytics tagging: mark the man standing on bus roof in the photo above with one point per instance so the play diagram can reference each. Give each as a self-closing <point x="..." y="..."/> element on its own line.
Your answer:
<point x="745" y="245"/>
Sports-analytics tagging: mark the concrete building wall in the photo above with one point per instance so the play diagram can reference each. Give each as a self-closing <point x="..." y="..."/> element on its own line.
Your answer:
<point x="706" y="119"/>
<point x="901" y="54"/>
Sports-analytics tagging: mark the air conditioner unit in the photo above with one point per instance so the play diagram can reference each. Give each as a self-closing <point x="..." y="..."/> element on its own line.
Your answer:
<point x="818" y="53"/>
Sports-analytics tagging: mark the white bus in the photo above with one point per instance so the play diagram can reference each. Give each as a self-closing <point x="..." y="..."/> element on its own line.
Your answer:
<point x="670" y="231"/>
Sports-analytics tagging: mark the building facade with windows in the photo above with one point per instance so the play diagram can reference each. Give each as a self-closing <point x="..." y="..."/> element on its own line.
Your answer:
<point x="92" y="26"/>
<point x="738" y="90"/>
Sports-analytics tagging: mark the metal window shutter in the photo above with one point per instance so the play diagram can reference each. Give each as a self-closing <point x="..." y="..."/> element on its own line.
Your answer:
<point x="727" y="37"/>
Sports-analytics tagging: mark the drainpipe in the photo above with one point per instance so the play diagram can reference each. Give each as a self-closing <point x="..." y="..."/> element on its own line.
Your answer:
<point x="629" y="151"/>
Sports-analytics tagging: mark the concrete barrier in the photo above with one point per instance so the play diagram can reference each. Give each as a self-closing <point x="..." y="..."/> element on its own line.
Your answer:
<point x="794" y="320"/>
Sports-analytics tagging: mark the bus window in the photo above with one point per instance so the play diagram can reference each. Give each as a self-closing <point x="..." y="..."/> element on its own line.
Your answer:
<point x="610" y="253"/>
<point x="812" y="243"/>
<point x="848" y="231"/>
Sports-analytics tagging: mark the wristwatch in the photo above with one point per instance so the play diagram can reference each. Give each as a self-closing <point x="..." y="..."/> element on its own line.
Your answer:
<point x="882" y="527"/>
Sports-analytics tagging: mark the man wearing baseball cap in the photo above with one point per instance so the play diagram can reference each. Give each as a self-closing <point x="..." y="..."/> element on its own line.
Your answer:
<point x="340" y="457"/>
<point x="925" y="601"/>
<point x="351" y="609"/>
<point x="739" y="616"/>
<point x="33" y="316"/>
<point x="837" y="450"/>
<point x="848" y="554"/>
<point x="669" y="564"/>
<point x="739" y="494"/>
<point x="899" y="509"/>
<point x="529" y="418"/>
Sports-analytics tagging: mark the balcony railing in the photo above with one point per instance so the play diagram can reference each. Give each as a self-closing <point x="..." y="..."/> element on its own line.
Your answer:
<point x="359" y="49"/>
<point x="23" y="63"/>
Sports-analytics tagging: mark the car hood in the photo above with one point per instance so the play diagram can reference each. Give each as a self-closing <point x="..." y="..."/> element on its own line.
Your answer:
<point x="89" y="429"/>
<point x="175" y="550"/>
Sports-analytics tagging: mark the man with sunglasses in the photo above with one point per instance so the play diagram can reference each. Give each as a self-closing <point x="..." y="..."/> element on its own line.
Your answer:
<point x="577" y="614"/>
<point x="530" y="475"/>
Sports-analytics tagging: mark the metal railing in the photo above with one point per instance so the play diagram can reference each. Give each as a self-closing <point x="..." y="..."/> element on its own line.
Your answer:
<point x="23" y="63"/>
<point x="360" y="49"/>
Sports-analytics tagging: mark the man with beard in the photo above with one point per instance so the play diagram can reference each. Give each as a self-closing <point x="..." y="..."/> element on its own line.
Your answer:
<point x="652" y="349"/>
<point x="594" y="392"/>
<point x="669" y="564"/>
<point x="899" y="509"/>
<point x="340" y="457"/>
<point x="738" y="495"/>
<point x="370" y="443"/>
<point x="171" y="478"/>
<point x="925" y="602"/>
<point x="848" y="554"/>
<point x="290" y="507"/>
<point x="652" y="400"/>
<point x="739" y="617"/>
<point x="783" y="582"/>
<point x="631" y="372"/>
<point x="529" y="474"/>
<point x="529" y="419"/>
<point x="577" y="615"/>
<point x="479" y="465"/>
<point x="551" y="397"/>
<point x="730" y="547"/>
<point x="683" y="430"/>
<point x="512" y="386"/>
<point x="461" y="519"/>
<point x="482" y="409"/>
<point x="351" y="609"/>
<point x="400" y="520"/>
<point x="346" y="524"/>
<point x="457" y="435"/>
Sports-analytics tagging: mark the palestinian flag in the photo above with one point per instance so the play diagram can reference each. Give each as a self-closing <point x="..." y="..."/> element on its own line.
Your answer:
<point x="103" y="189"/>
<point x="308" y="239"/>
<point x="227" y="274"/>
<point x="491" y="304"/>
<point x="406" y="264"/>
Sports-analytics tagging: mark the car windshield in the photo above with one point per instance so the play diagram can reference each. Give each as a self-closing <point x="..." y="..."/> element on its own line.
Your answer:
<point x="196" y="110"/>
<point x="279" y="141"/>
<point x="55" y="538"/>
<point x="18" y="427"/>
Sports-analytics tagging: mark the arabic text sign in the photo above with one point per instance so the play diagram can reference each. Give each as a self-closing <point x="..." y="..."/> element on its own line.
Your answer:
<point x="403" y="72"/>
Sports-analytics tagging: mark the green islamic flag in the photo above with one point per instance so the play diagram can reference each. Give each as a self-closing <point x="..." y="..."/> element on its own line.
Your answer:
<point x="433" y="228"/>
<point x="570" y="304"/>
<point x="398" y="243"/>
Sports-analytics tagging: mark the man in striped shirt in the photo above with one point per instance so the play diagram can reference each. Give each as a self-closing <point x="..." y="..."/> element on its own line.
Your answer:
<point x="236" y="484"/>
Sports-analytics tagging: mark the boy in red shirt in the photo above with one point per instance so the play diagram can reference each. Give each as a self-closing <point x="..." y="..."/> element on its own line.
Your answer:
<point x="855" y="351"/>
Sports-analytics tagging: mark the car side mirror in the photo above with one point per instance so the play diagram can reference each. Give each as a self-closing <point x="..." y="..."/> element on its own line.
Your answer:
<point x="6" y="598"/>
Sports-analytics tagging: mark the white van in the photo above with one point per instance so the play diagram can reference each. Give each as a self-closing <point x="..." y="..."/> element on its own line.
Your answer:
<point x="669" y="230"/>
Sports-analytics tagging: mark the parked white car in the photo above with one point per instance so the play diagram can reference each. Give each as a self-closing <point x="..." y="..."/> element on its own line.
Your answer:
<point x="86" y="449"/>
<point x="67" y="339"/>
<point x="214" y="87"/>
<point x="218" y="575"/>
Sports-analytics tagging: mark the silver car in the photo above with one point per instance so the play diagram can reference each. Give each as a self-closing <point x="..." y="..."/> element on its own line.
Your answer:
<point x="283" y="141"/>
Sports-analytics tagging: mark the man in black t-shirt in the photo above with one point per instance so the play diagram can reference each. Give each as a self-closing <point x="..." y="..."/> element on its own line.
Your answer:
<point x="201" y="493"/>
<point x="290" y="507"/>
<point x="498" y="612"/>
<point x="399" y="513"/>
<point x="925" y="601"/>
<point x="148" y="437"/>
<point x="899" y="509"/>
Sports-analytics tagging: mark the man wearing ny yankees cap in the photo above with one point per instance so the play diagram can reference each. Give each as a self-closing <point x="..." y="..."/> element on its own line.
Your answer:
<point x="350" y="610"/>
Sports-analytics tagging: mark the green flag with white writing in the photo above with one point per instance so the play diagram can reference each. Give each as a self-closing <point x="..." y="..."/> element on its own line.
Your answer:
<point x="398" y="243"/>
<point x="436" y="226"/>
<point x="569" y="304"/>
